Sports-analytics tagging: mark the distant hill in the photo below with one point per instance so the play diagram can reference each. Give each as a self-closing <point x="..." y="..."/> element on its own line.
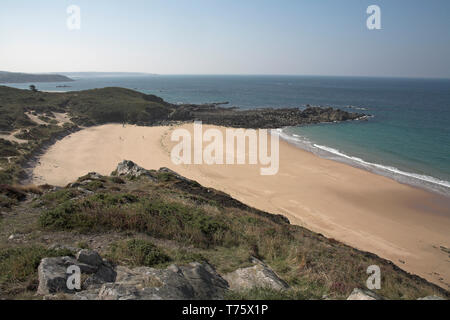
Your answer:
<point x="106" y="74"/>
<point x="15" y="77"/>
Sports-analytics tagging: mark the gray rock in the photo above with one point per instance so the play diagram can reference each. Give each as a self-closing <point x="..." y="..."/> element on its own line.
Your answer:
<point x="89" y="257"/>
<point x="257" y="276"/>
<point x="104" y="274"/>
<point x="52" y="273"/>
<point x="103" y="282"/>
<point x="85" y="191"/>
<point x="52" y="276"/>
<point x="94" y="175"/>
<point x="431" y="298"/>
<point x="195" y="281"/>
<point x="74" y="185"/>
<point x="129" y="168"/>
<point x="207" y="284"/>
<point x="363" y="294"/>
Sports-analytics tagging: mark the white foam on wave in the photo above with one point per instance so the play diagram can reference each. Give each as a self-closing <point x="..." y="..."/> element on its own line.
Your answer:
<point x="424" y="181"/>
<point x="387" y="168"/>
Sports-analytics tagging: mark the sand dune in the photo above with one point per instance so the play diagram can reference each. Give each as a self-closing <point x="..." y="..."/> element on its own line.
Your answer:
<point x="405" y="225"/>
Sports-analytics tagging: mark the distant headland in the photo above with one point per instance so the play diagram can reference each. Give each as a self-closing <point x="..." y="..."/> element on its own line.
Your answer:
<point x="17" y="77"/>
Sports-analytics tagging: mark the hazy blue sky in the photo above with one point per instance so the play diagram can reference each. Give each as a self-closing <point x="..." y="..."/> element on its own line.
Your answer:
<point x="320" y="37"/>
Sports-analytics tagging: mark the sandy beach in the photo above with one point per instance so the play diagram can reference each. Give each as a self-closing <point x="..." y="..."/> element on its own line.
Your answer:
<point x="408" y="226"/>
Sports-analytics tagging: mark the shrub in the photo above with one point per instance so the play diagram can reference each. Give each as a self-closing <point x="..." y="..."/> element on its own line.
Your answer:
<point x="266" y="294"/>
<point x="117" y="180"/>
<point x="8" y="148"/>
<point x="60" y="217"/>
<point x="108" y="199"/>
<point x="18" y="266"/>
<point x="94" y="185"/>
<point x="59" y="196"/>
<point x="127" y="212"/>
<point x="137" y="252"/>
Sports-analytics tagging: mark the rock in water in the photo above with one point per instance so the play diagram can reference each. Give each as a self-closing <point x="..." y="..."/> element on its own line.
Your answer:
<point x="363" y="294"/>
<point x="258" y="276"/>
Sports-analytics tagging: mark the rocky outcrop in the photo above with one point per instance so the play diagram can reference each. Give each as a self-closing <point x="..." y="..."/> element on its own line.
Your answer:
<point x="89" y="257"/>
<point x="257" y="276"/>
<point x="363" y="294"/>
<point x="129" y="168"/>
<point x="192" y="282"/>
<point x="53" y="272"/>
<point x="101" y="281"/>
<point x="260" y="118"/>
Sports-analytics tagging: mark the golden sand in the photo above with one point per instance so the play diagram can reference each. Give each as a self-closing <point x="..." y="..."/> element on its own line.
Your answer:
<point x="373" y="213"/>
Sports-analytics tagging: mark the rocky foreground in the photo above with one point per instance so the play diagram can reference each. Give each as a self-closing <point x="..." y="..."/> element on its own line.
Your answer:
<point x="153" y="234"/>
<point x="105" y="282"/>
<point x="194" y="281"/>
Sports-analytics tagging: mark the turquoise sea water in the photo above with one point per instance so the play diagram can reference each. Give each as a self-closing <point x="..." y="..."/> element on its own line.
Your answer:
<point x="408" y="138"/>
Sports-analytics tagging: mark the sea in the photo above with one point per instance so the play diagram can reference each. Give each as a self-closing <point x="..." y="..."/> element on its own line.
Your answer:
<point x="407" y="137"/>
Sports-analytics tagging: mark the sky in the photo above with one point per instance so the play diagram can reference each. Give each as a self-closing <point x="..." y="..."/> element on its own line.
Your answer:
<point x="303" y="37"/>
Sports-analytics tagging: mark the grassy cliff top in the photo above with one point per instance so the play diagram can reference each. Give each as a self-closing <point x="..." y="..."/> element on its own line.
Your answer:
<point x="181" y="221"/>
<point x="29" y="122"/>
<point x="88" y="107"/>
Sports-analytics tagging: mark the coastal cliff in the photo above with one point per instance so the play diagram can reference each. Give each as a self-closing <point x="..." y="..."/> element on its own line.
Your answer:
<point x="153" y="234"/>
<point x="137" y="222"/>
<point x="17" y="77"/>
<point x="30" y="121"/>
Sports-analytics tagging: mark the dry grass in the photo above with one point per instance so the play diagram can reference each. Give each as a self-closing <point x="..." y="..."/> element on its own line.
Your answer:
<point x="30" y="188"/>
<point x="188" y="223"/>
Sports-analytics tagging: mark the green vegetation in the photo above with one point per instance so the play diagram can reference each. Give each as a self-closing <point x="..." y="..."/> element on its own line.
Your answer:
<point x="270" y="294"/>
<point x="58" y="196"/>
<point x="137" y="252"/>
<point x="126" y="212"/>
<point x="8" y="149"/>
<point x="85" y="108"/>
<point x="117" y="180"/>
<point x="18" y="77"/>
<point x="18" y="267"/>
<point x="193" y="223"/>
<point x="157" y="220"/>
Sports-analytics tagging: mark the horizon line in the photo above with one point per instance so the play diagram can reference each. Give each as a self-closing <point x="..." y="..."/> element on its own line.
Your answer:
<point x="245" y="74"/>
